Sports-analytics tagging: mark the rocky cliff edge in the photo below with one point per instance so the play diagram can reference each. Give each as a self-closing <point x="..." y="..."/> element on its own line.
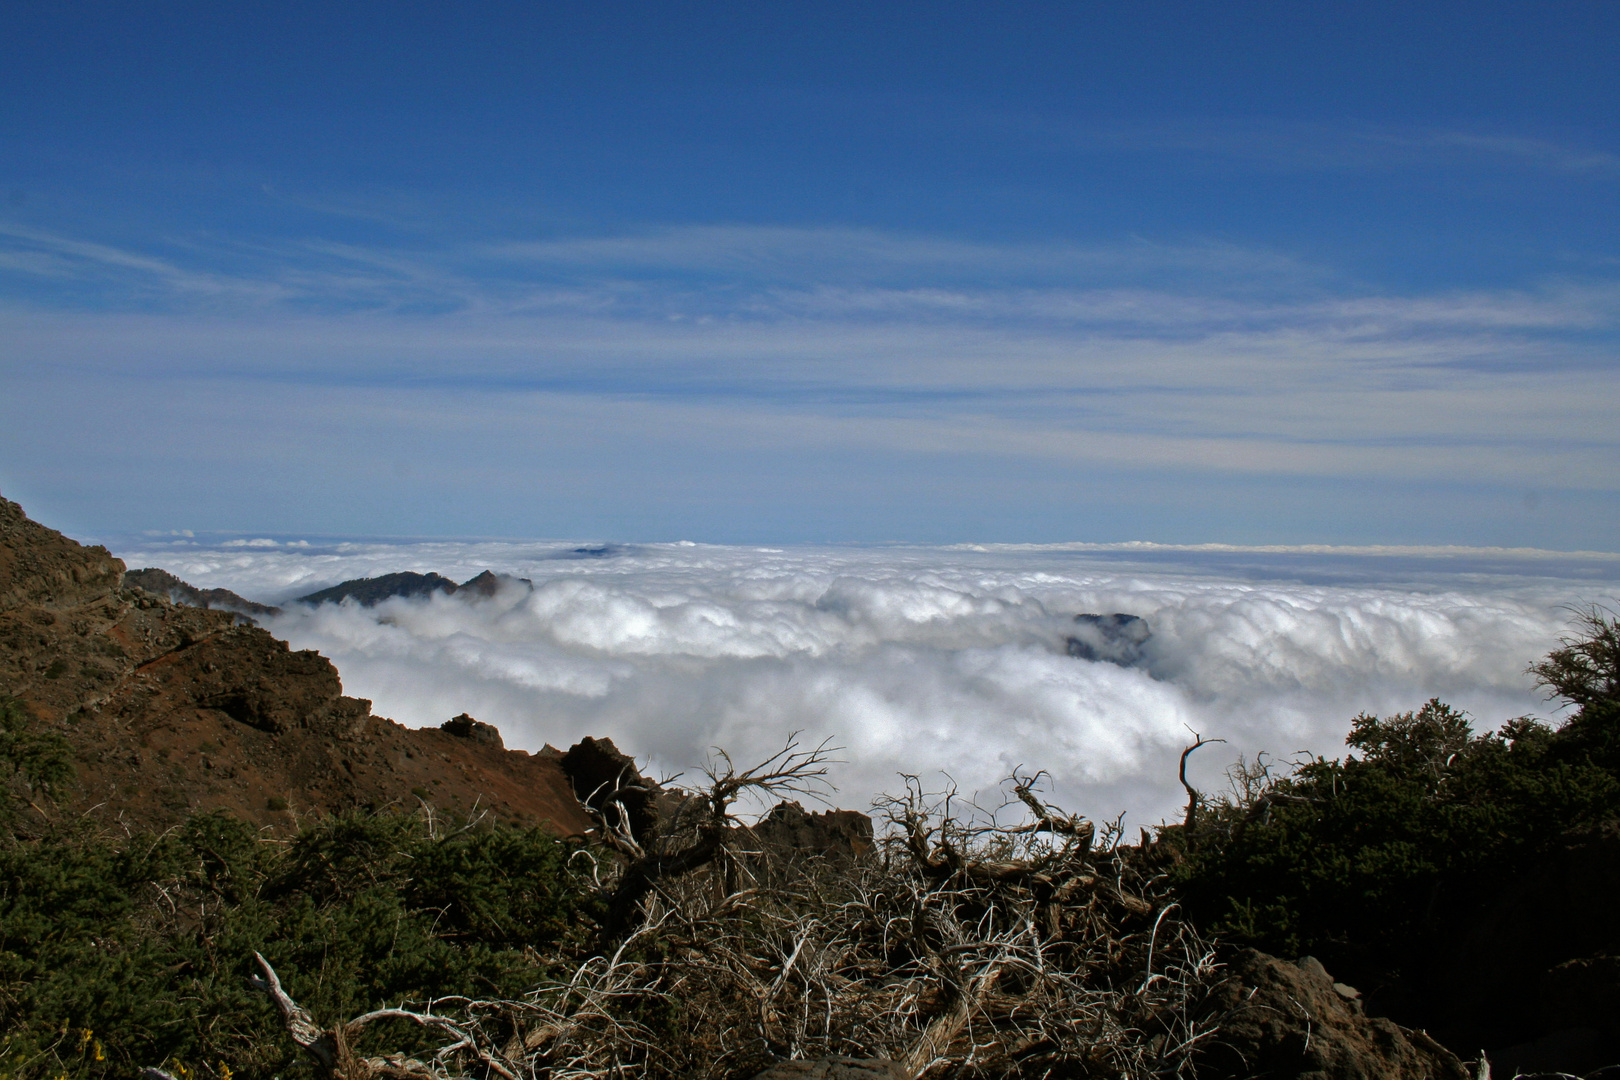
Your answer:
<point x="174" y="709"/>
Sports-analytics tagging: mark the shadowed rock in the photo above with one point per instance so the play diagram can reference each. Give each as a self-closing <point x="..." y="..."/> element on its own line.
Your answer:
<point x="1117" y="638"/>
<point x="789" y="830"/>
<point x="597" y="769"/>
<point x="465" y="727"/>
<point x="369" y="591"/>
<point x="1278" y="1019"/>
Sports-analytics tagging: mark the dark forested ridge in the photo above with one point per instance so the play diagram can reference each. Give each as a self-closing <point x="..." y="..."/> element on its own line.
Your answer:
<point x="216" y="865"/>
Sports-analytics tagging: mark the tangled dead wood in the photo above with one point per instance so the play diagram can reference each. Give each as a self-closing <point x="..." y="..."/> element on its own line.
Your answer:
<point x="961" y="946"/>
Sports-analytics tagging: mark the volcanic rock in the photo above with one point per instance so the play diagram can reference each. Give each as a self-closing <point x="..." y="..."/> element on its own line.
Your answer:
<point x="162" y="583"/>
<point x="172" y="709"/>
<point x="608" y="781"/>
<point x="790" y="830"/>
<point x="465" y="727"/>
<point x="1281" y="1019"/>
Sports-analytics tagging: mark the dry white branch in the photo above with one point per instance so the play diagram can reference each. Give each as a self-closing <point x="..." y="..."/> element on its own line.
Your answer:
<point x="964" y="946"/>
<point x="310" y="1037"/>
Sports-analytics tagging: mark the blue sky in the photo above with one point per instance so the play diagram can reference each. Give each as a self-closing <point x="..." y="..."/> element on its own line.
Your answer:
<point x="1242" y="273"/>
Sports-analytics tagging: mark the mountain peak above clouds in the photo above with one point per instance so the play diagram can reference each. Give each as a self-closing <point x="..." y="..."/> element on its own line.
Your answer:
<point x="1116" y="638"/>
<point x="370" y="591"/>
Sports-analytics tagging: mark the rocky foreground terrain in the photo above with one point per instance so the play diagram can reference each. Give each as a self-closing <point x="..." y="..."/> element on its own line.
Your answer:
<point x="174" y="708"/>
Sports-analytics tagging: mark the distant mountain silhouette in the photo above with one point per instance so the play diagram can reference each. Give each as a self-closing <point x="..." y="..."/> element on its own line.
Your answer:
<point x="374" y="590"/>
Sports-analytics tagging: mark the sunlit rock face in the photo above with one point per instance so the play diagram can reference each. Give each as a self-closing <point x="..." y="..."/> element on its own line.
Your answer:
<point x="174" y="708"/>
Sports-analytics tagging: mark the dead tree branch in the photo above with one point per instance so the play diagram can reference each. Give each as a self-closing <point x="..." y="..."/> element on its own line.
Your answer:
<point x="330" y="1047"/>
<point x="963" y="945"/>
<point x="790" y="770"/>
<point x="1194" y="797"/>
<point x="310" y="1037"/>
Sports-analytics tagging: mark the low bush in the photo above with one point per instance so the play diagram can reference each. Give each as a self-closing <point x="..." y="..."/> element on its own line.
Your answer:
<point x="31" y="760"/>
<point x="123" y="952"/>
<point x="1352" y="859"/>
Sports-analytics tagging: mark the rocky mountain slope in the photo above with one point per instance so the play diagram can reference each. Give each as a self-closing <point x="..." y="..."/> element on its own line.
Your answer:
<point x="162" y="583"/>
<point x="171" y="709"/>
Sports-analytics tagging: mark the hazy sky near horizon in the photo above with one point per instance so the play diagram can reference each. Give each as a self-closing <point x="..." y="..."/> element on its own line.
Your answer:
<point x="1241" y="273"/>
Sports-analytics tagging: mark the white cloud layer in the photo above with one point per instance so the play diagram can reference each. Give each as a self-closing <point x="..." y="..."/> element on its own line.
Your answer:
<point x="926" y="660"/>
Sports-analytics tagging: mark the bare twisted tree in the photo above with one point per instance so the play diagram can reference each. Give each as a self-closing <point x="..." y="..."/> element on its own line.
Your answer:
<point x="961" y="946"/>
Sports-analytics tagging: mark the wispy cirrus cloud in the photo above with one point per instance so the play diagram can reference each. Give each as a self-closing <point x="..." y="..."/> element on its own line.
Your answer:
<point x="719" y="262"/>
<point x="1220" y="363"/>
<point x="744" y="274"/>
<point x="1318" y="145"/>
<point x="124" y="275"/>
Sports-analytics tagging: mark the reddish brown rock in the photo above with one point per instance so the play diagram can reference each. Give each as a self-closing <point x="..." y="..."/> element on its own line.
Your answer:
<point x="172" y="709"/>
<point x="162" y="583"/>
<point x="790" y="830"/>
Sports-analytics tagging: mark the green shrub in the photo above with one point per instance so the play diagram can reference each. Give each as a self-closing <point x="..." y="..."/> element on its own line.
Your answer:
<point x="40" y="759"/>
<point x="1352" y="859"/>
<point x="146" y="942"/>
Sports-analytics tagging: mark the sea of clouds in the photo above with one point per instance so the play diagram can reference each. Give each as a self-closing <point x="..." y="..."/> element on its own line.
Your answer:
<point x="947" y="663"/>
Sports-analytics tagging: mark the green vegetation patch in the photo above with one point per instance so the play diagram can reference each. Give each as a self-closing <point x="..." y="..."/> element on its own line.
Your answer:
<point x="1353" y="860"/>
<point x="123" y="952"/>
<point x="31" y="758"/>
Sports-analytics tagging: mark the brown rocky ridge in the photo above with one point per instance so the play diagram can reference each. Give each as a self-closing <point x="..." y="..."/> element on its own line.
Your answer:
<point x="172" y="709"/>
<point x="162" y="583"/>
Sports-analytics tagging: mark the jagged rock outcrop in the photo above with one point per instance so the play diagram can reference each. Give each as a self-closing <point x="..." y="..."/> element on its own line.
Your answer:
<point x="790" y="830"/>
<point x="1290" y="1020"/>
<point x="368" y="592"/>
<point x="162" y="583"/>
<point x="608" y="781"/>
<point x="465" y="727"/>
<point x="172" y="708"/>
